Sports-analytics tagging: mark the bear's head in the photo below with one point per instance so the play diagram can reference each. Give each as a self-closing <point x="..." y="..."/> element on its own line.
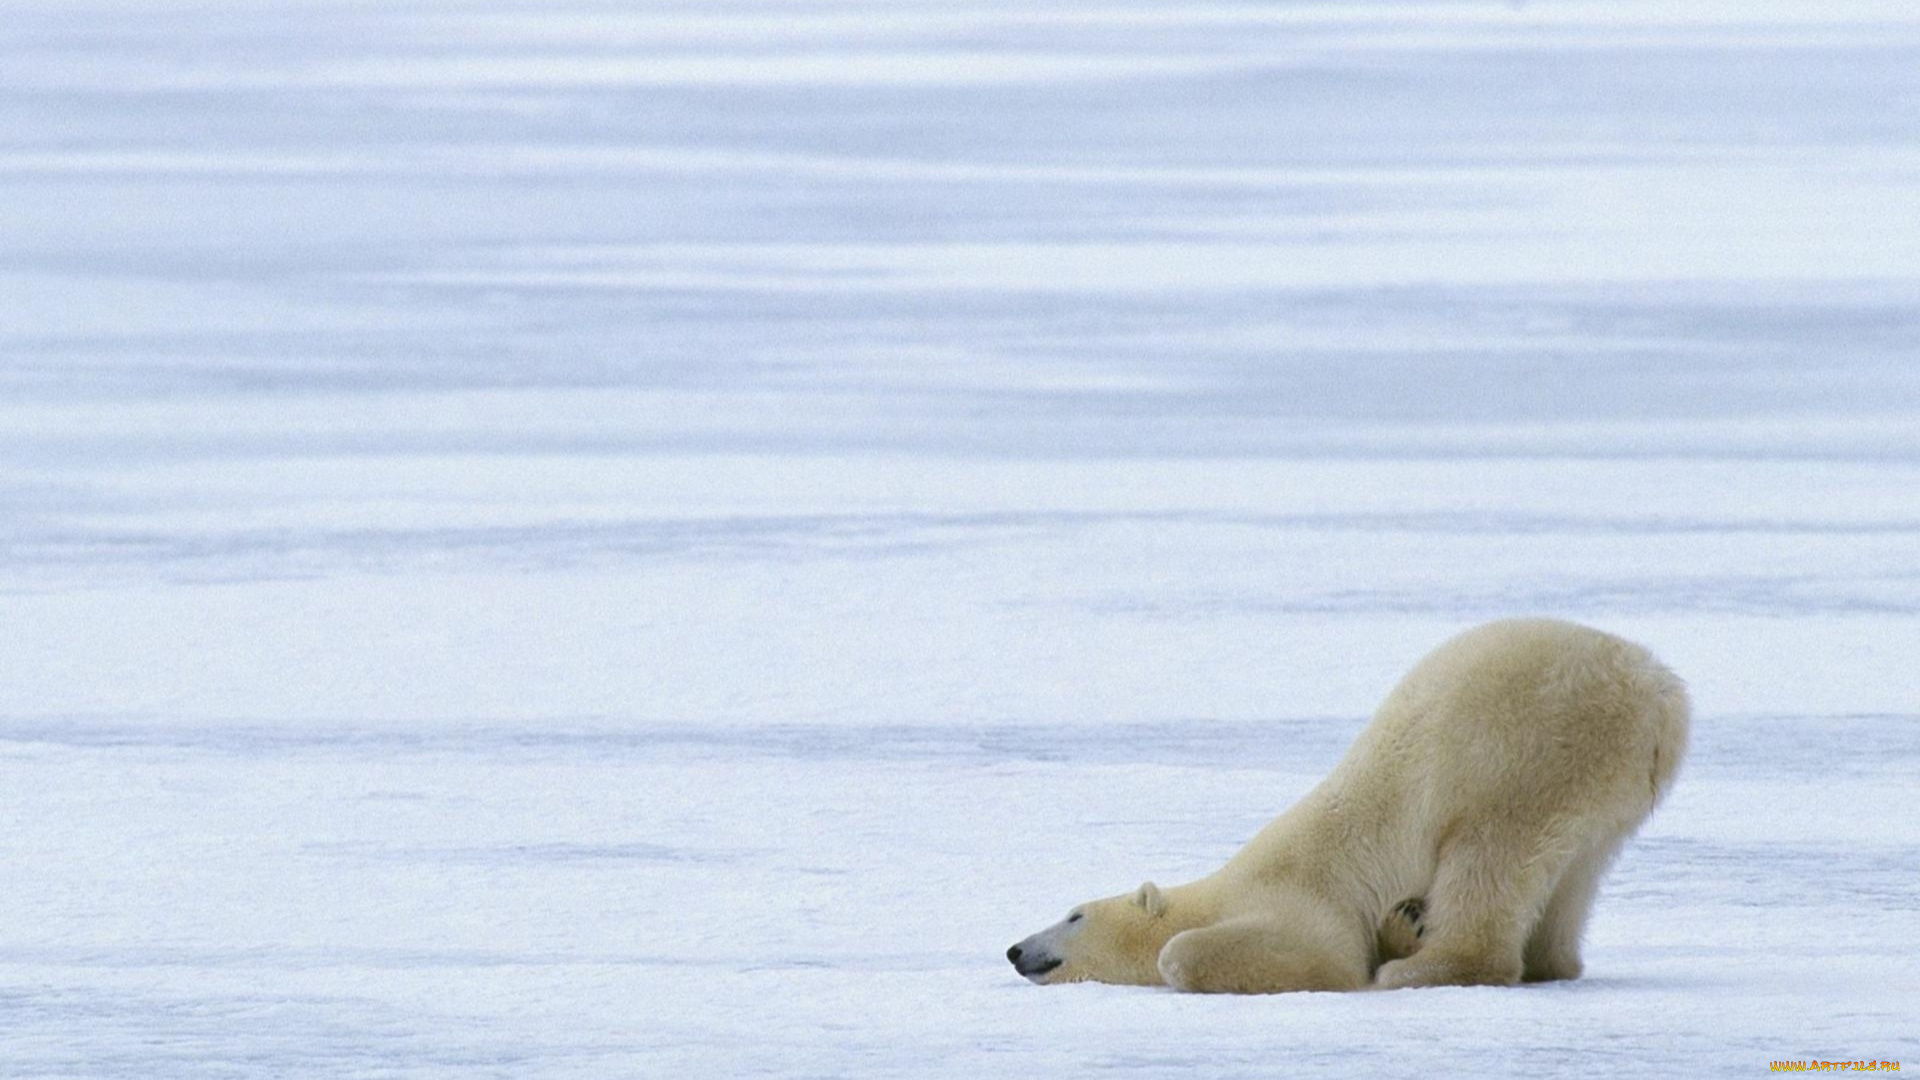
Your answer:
<point x="1116" y="940"/>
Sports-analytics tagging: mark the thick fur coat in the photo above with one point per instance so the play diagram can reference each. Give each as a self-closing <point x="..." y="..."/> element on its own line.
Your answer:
<point x="1461" y="840"/>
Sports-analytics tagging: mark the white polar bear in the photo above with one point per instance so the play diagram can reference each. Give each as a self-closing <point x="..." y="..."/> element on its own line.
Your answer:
<point x="1479" y="810"/>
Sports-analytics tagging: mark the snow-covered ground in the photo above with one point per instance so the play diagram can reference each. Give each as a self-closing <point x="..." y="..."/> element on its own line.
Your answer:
<point x="588" y="540"/>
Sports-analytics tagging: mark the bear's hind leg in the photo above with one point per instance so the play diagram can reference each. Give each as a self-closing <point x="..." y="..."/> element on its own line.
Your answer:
<point x="1553" y="949"/>
<point x="1486" y="898"/>
<point x="1258" y="956"/>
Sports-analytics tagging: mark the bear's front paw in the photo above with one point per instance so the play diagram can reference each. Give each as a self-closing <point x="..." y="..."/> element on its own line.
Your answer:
<point x="1177" y="975"/>
<point x="1393" y="975"/>
<point x="1428" y="968"/>
<point x="1401" y="931"/>
<point x="1414" y="911"/>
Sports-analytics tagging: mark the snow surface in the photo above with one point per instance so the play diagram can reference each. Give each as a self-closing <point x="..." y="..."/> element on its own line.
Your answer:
<point x="586" y="540"/>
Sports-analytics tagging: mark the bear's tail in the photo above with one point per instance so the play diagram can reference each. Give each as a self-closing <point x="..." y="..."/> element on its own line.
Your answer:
<point x="1669" y="715"/>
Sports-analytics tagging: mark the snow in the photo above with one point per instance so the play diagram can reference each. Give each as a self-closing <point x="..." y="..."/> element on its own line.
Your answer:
<point x="556" y="540"/>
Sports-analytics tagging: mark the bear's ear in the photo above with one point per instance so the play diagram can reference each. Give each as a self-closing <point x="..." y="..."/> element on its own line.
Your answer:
<point x="1150" y="899"/>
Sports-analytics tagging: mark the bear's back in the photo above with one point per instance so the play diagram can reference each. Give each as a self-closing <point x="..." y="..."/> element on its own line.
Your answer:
<point x="1529" y="712"/>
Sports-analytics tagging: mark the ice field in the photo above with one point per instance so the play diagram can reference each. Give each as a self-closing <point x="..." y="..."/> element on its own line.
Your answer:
<point x="561" y="539"/>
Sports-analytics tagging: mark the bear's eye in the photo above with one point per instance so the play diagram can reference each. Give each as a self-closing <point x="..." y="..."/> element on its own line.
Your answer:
<point x="1075" y="917"/>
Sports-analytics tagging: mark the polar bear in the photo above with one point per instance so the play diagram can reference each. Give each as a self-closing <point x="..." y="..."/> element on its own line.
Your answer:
<point x="1459" y="842"/>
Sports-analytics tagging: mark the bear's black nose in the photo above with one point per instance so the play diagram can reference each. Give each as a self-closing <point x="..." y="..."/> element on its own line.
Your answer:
<point x="1013" y="955"/>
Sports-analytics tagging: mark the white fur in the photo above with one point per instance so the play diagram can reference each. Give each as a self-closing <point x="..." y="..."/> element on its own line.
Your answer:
<point x="1497" y="781"/>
